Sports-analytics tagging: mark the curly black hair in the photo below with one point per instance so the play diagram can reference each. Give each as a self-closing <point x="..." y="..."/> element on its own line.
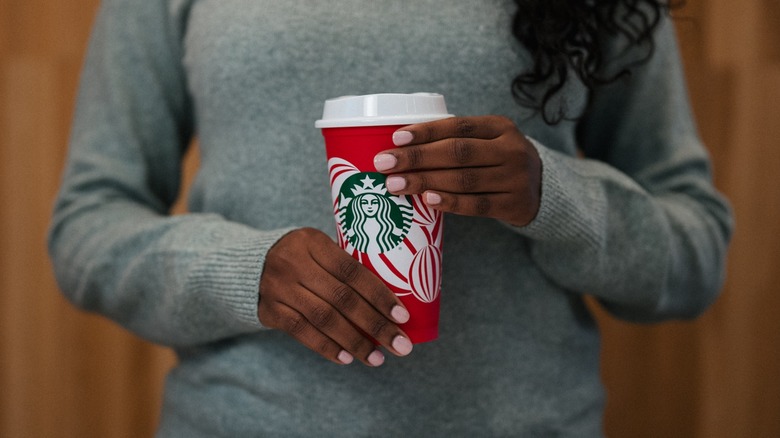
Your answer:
<point x="568" y="37"/>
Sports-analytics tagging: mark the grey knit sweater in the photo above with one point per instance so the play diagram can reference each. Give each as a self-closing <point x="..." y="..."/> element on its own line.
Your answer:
<point x="643" y="231"/>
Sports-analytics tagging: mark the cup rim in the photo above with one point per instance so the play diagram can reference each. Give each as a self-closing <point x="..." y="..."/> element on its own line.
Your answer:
<point x="382" y="109"/>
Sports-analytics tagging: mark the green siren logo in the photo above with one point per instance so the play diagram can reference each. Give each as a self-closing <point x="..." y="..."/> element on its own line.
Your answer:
<point x="371" y="219"/>
<point x="396" y="237"/>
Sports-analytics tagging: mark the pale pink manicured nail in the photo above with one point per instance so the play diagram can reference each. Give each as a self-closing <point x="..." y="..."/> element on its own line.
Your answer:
<point x="345" y="357"/>
<point x="384" y="162"/>
<point x="401" y="138"/>
<point x="402" y="345"/>
<point x="432" y="198"/>
<point x="399" y="314"/>
<point x="376" y="358"/>
<point x="395" y="183"/>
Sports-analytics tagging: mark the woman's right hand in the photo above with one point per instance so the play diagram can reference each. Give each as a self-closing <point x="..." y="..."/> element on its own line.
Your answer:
<point x="315" y="292"/>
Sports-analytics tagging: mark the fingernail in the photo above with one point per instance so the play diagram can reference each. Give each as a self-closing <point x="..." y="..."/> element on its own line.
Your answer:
<point x="432" y="199"/>
<point x="376" y="358"/>
<point x="384" y="162"/>
<point x="395" y="183"/>
<point x="402" y="345"/>
<point x="345" y="357"/>
<point x="399" y="314"/>
<point x="401" y="138"/>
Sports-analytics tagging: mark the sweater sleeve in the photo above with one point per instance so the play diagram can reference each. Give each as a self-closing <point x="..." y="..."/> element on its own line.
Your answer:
<point x="175" y="280"/>
<point x="642" y="228"/>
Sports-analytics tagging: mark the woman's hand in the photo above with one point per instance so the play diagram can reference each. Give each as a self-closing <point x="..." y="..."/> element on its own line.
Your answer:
<point x="474" y="166"/>
<point x="322" y="297"/>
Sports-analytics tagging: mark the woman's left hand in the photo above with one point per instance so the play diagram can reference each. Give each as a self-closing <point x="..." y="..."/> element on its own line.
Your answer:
<point x="474" y="166"/>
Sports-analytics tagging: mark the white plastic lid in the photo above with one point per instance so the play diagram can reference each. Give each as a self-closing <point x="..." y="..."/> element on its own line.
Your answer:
<point x="382" y="109"/>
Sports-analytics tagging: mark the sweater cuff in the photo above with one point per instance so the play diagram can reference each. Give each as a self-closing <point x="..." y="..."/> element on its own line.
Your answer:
<point x="571" y="209"/>
<point x="229" y="275"/>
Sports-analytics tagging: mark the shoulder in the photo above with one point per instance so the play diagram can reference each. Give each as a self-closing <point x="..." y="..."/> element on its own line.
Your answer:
<point x="636" y="34"/>
<point x="147" y="13"/>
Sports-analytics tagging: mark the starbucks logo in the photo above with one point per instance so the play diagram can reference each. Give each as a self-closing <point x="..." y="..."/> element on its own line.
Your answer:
<point x="397" y="237"/>
<point x="370" y="218"/>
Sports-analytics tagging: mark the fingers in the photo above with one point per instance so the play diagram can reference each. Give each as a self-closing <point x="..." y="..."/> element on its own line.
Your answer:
<point x="475" y="166"/>
<point x="468" y="180"/>
<point x="322" y="328"/>
<point x="349" y="272"/>
<point x="453" y="142"/>
<point x="340" y="310"/>
<point x="498" y="205"/>
<point x="484" y="127"/>
<point x="296" y="325"/>
<point x="315" y="292"/>
<point x="447" y="153"/>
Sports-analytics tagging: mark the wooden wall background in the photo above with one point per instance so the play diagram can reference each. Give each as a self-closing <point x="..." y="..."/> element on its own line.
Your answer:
<point x="66" y="374"/>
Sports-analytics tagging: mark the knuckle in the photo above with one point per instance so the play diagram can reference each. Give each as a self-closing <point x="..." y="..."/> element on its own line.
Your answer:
<point x="348" y="270"/>
<point x="416" y="183"/>
<point x="295" y="324"/>
<point x="414" y="157"/>
<point x="522" y="155"/>
<point x="482" y="205"/>
<point x="467" y="181"/>
<point x="462" y="151"/>
<point x="454" y="204"/>
<point x="377" y="327"/>
<point x="464" y="127"/>
<point x="380" y="297"/>
<point x="419" y="183"/>
<point x="307" y="231"/>
<point x="343" y="297"/>
<point x="305" y="234"/>
<point x="286" y="253"/>
<point x="324" y="346"/>
<point x="282" y="252"/>
<point x="322" y="317"/>
<point x="428" y="133"/>
<point x="503" y="122"/>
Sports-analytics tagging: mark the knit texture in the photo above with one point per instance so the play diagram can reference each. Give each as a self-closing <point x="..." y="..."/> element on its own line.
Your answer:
<point x="644" y="231"/>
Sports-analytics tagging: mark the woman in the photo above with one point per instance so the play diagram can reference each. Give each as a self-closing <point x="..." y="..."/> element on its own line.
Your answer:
<point x="265" y="311"/>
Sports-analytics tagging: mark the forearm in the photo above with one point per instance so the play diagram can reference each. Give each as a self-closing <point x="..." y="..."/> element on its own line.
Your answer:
<point x="646" y="256"/>
<point x="179" y="280"/>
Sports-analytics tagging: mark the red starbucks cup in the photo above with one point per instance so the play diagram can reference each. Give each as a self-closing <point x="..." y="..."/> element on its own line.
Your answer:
<point x="399" y="238"/>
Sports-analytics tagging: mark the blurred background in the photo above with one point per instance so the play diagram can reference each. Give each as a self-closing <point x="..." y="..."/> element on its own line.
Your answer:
<point x="64" y="373"/>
